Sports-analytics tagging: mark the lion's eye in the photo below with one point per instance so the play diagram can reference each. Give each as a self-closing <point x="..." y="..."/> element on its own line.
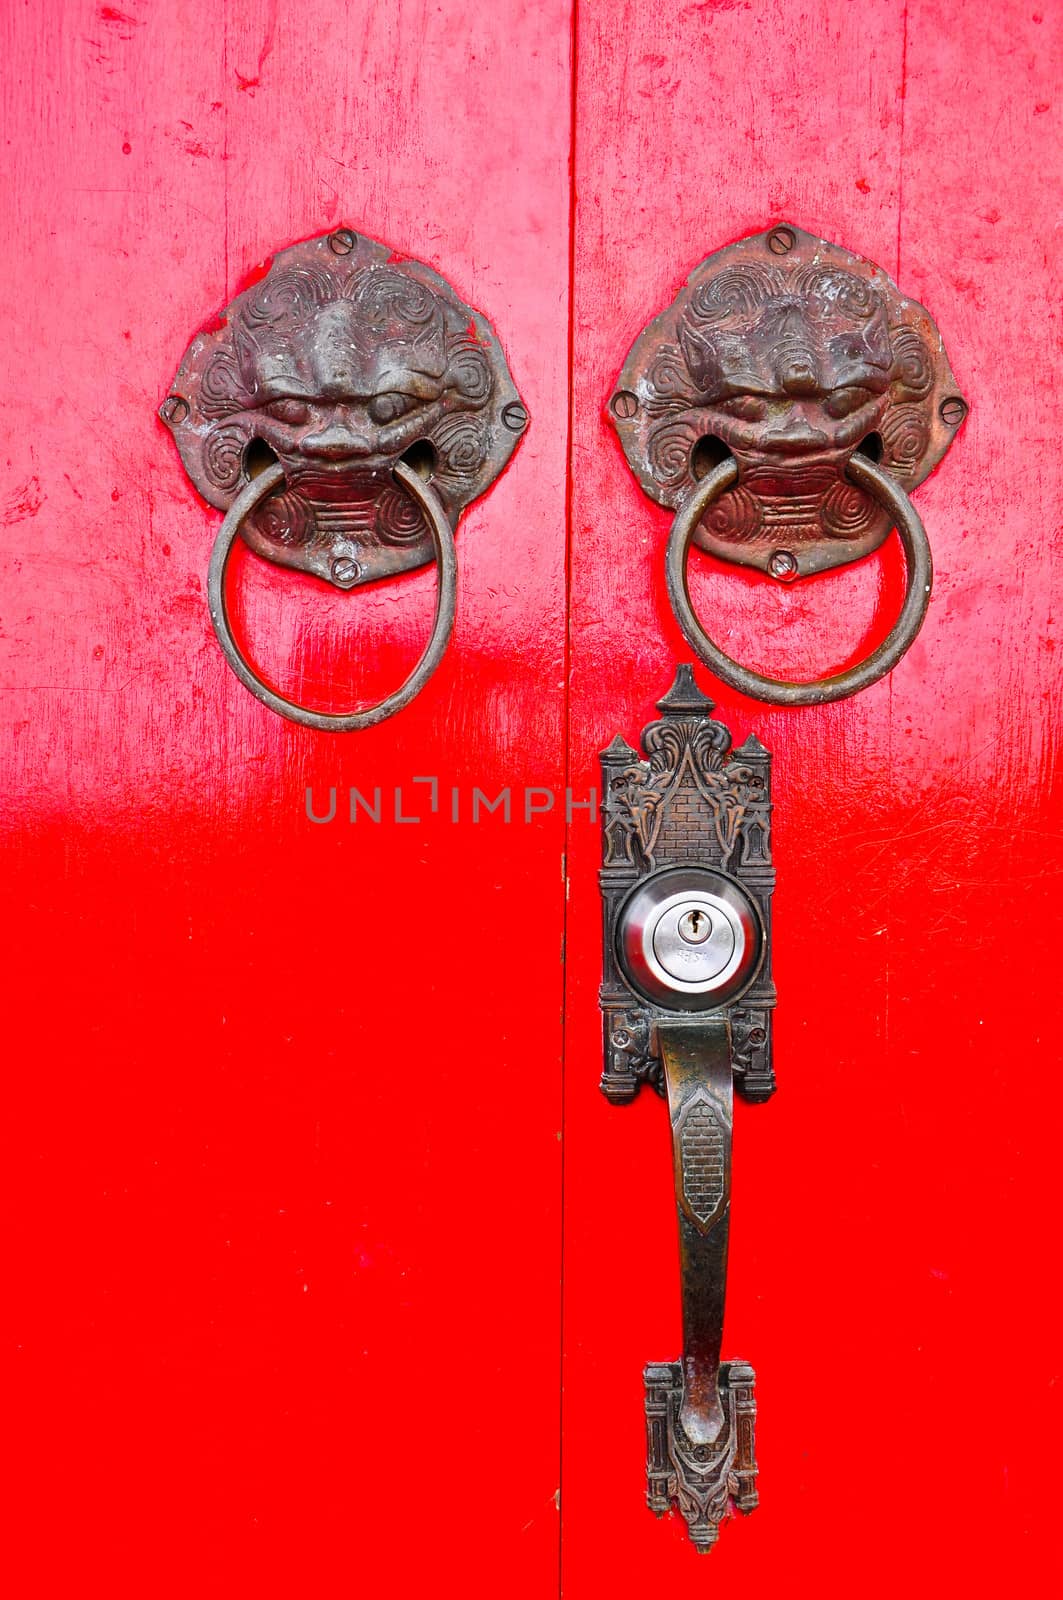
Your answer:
<point x="390" y="407"/>
<point x="746" y="407"/>
<point x="844" y="401"/>
<point x="290" y="411"/>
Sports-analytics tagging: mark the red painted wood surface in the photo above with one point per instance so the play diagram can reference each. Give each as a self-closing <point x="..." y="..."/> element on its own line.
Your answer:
<point x="284" y="1217"/>
<point x="284" y="1189"/>
<point x="895" y="1210"/>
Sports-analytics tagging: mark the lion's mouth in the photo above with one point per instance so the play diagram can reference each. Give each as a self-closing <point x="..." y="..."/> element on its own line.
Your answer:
<point x="811" y="458"/>
<point x="341" y="503"/>
<point x="347" y="469"/>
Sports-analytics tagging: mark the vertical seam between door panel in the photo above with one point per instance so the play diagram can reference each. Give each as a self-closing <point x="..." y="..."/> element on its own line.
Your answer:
<point x="900" y="141"/>
<point x="225" y="148"/>
<point x="889" y="688"/>
<point x="566" y="735"/>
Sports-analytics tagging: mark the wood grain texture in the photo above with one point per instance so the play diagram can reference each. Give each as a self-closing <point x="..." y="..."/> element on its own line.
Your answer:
<point x="285" y="1187"/>
<point x="894" y="1208"/>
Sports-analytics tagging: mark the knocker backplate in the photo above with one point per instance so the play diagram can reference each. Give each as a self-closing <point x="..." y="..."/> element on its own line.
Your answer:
<point x="789" y="354"/>
<point x="344" y="359"/>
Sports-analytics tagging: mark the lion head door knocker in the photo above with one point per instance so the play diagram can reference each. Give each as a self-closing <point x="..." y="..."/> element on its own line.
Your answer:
<point x="343" y="412"/>
<point x="784" y="405"/>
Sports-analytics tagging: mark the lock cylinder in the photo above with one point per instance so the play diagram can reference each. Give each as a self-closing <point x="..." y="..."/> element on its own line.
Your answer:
<point x="689" y="938"/>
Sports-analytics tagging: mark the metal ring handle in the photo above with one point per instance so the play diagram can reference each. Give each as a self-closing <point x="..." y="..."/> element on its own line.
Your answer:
<point x="446" y="595"/>
<point x="777" y="691"/>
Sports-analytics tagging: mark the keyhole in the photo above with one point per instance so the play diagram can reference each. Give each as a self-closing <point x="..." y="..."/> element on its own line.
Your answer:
<point x="695" y="925"/>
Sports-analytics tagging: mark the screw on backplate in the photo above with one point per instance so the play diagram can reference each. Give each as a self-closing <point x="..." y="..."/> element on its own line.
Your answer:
<point x="174" y="410"/>
<point x="953" y="410"/>
<point x="621" y="1038"/>
<point x="342" y="242"/>
<point x="781" y="241"/>
<point x="701" y="1454"/>
<point x="345" y="571"/>
<point x="783" y="564"/>
<point x="757" y="1035"/>
<point x="625" y="404"/>
<point x="514" y="417"/>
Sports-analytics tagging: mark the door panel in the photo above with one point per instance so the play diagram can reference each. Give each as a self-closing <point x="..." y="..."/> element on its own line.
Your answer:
<point x="285" y="1188"/>
<point x="892" y="1204"/>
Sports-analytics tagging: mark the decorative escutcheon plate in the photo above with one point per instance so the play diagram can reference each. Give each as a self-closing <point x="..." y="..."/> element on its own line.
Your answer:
<point x="789" y="354"/>
<point x="342" y="361"/>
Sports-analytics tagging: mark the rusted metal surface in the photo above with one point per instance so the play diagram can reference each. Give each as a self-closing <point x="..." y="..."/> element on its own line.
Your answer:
<point x="342" y="361"/>
<point x="789" y="354"/>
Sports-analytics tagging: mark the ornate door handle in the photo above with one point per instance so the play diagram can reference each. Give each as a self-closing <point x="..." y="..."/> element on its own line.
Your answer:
<point x="700" y="1413"/>
<point x="343" y="411"/>
<point x="687" y="997"/>
<point x="784" y="404"/>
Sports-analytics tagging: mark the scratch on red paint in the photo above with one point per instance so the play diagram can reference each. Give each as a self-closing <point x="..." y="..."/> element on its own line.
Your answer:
<point x="248" y="84"/>
<point x="253" y="276"/>
<point x="24" y="502"/>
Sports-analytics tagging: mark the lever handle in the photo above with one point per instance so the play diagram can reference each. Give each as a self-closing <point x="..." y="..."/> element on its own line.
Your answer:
<point x="700" y="1415"/>
<point x="697" y="1075"/>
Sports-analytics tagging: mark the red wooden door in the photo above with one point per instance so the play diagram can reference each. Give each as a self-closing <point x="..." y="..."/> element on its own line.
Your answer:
<point x="285" y="1214"/>
<point x="894" y="1205"/>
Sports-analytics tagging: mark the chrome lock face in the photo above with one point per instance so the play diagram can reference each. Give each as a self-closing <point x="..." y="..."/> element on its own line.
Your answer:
<point x="689" y="938"/>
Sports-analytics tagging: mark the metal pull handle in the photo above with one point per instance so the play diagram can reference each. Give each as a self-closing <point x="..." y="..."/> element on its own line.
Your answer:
<point x="784" y="405"/>
<point x="700" y="1415"/>
<point x="697" y="1076"/>
<point x="343" y="411"/>
<point x="687" y="995"/>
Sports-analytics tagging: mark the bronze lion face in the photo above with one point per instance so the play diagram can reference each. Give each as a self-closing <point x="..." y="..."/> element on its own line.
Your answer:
<point x="789" y="354"/>
<point x="339" y="363"/>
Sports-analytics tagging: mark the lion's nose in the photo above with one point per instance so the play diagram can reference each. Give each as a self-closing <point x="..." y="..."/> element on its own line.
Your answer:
<point x="799" y="375"/>
<point x="335" y="443"/>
